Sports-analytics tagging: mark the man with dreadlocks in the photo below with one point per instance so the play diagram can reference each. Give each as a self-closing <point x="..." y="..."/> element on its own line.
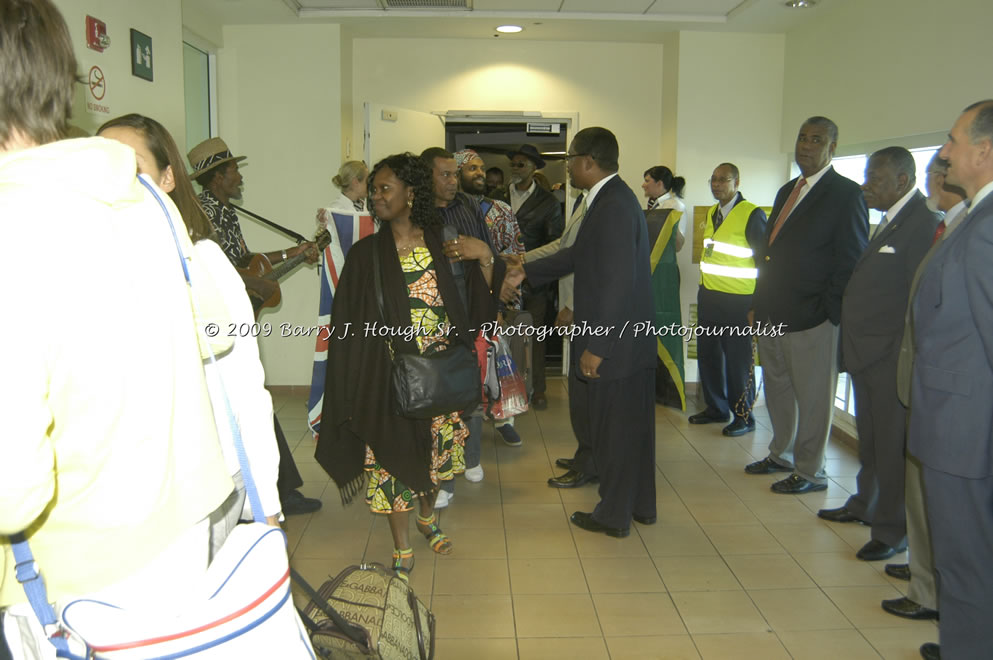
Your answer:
<point x="506" y="237"/>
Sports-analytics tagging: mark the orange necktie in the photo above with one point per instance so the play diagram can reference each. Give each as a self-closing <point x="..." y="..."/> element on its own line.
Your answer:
<point x="787" y="208"/>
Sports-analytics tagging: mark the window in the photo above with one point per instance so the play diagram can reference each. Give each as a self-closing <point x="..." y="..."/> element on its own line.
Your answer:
<point x="199" y="92"/>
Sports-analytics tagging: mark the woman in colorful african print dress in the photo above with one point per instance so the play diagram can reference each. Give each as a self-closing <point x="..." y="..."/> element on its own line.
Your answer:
<point x="399" y="460"/>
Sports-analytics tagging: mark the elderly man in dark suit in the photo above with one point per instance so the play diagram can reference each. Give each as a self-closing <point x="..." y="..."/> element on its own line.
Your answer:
<point x="539" y="215"/>
<point x="951" y="404"/>
<point x="872" y="313"/>
<point x="817" y="231"/>
<point x="612" y="376"/>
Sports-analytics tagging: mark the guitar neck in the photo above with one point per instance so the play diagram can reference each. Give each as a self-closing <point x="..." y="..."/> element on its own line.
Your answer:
<point x="284" y="267"/>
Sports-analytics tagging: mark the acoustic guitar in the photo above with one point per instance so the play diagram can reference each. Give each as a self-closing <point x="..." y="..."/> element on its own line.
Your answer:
<point x="260" y="267"/>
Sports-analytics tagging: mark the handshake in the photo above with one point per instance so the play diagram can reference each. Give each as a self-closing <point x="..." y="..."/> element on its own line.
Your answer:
<point x="512" y="280"/>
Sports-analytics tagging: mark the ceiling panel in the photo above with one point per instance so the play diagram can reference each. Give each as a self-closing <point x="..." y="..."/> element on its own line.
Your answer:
<point x="601" y="7"/>
<point x="698" y="7"/>
<point x="516" y="5"/>
<point x="338" y="4"/>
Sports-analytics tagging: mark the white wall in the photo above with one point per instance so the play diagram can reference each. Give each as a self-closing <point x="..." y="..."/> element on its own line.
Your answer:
<point x="729" y="100"/>
<point x="162" y="98"/>
<point x="888" y="69"/>
<point x="611" y="85"/>
<point x="279" y="89"/>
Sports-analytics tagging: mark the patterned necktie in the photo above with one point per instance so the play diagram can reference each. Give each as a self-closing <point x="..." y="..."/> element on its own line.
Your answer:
<point x="938" y="231"/>
<point x="880" y="227"/>
<point x="787" y="208"/>
<point x="718" y="218"/>
<point x="652" y="203"/>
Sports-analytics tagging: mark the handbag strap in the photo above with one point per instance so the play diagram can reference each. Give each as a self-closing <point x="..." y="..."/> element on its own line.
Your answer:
<point x="26" y="567"/>
<point x="378" y="275"/>
<point x="349" y="629"/>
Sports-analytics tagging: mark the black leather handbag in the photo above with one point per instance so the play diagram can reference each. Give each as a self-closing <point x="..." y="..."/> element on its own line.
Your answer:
<point x="425" y="386"/>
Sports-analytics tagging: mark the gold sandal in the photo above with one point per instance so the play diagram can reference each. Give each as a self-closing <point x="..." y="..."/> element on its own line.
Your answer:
<point x="437" y="539"/>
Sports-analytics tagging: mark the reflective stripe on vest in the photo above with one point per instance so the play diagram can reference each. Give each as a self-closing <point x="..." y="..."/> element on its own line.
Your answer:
<point x="727" y="263"/>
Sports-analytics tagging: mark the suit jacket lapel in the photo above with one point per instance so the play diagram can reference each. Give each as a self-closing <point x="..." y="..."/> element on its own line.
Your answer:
<point x="812" y="195"/>
<point x="589" y="209"/>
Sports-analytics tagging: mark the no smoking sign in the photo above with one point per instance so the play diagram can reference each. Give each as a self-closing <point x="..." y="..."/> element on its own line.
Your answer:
<point x="96" y="91"/>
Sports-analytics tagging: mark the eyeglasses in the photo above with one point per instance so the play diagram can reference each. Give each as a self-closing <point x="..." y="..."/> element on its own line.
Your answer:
<point x="569" y="157"/>
<point x="723" y="179"/>
<point x="520" y="165"/>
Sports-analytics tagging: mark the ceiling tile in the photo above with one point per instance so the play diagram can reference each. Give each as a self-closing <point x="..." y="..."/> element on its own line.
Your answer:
<point x="601" y="7"/>
<point x="339" y="4"/>
<point x="516" y="5"/>
<point x="695" y="7"/>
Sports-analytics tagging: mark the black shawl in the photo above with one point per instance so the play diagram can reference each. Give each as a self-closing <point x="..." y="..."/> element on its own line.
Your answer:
<point x="358" y="399"/>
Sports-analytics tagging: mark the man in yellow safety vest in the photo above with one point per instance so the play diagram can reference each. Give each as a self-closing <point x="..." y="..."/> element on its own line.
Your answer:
<point x="727" y="280"/>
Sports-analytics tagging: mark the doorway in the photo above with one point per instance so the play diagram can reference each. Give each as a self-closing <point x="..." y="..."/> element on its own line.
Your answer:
<point x="495" y="142"/>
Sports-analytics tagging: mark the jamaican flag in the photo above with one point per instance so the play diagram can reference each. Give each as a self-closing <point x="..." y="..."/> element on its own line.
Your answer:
<point x="669" y="374"/>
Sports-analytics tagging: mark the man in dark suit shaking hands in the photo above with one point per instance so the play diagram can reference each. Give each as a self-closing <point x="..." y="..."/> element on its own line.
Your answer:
<point x="872" y="314"/>
<point x="612" y="375"/>
<point x="951" y="396"/>
<point x="817" y="231"/>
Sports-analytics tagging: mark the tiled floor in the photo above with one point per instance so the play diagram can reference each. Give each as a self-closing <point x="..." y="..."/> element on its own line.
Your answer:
<point x="731" y="570"/>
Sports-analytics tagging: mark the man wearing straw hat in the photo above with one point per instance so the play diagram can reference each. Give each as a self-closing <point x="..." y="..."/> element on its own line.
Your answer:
<point x="216" y="170"/>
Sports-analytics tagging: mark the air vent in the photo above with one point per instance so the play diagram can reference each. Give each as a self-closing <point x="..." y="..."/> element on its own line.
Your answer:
<point x="427" y="4"/>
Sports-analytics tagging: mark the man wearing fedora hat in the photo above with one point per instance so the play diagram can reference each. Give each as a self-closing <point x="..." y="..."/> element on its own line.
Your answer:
<point x="540" y="218"/>
<point x="216" y="170"/>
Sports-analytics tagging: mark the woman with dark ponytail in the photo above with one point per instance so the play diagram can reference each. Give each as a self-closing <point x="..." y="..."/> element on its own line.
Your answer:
<point x="663" y="189"/>
<point x="665" y="209"/>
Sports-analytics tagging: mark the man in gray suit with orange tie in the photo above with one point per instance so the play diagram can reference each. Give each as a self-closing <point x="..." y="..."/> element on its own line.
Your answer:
<point x="951" y="405"/>
<point x="817" y="231"/>
<point x="872" y="312"/>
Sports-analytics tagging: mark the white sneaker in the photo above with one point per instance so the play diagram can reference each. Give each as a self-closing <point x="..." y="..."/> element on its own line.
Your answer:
<point x="444" y="497"/>
<point x="475" y="475"/>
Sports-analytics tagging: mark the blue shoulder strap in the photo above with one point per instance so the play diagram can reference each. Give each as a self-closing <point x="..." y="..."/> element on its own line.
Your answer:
<point x="26" y="568"/>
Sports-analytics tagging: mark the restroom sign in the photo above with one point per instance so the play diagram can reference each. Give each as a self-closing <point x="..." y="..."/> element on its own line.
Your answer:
<point x="141" y="55"/>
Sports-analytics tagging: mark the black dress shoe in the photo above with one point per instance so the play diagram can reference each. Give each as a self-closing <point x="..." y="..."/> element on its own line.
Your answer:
<point x="564" y="463"/>
<point x="795" y="485"/>
<point x="295" y="504"/>
<point x="930" y="651"/>
<point x="739" y="427"/>
<point x="766" y="466"/>
<point x="877" y="550"/>
<point x="898" y="571"/>
<point x="644" y="520"/>
<point x="908" y="609"/>
<point x="572" y="479"/>
<point x="539" y="402"/>
<point x="840" y="515"/>
<point x="708" y="417"/>
<point x="586" y="521"/>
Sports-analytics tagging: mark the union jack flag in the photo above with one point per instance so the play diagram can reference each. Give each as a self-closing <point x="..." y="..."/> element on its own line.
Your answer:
<point x="346" y="229"/>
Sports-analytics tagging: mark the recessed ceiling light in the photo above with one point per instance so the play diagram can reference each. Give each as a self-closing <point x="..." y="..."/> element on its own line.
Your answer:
<point x="800" y="4"/>
<point x="509" y="29"/>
